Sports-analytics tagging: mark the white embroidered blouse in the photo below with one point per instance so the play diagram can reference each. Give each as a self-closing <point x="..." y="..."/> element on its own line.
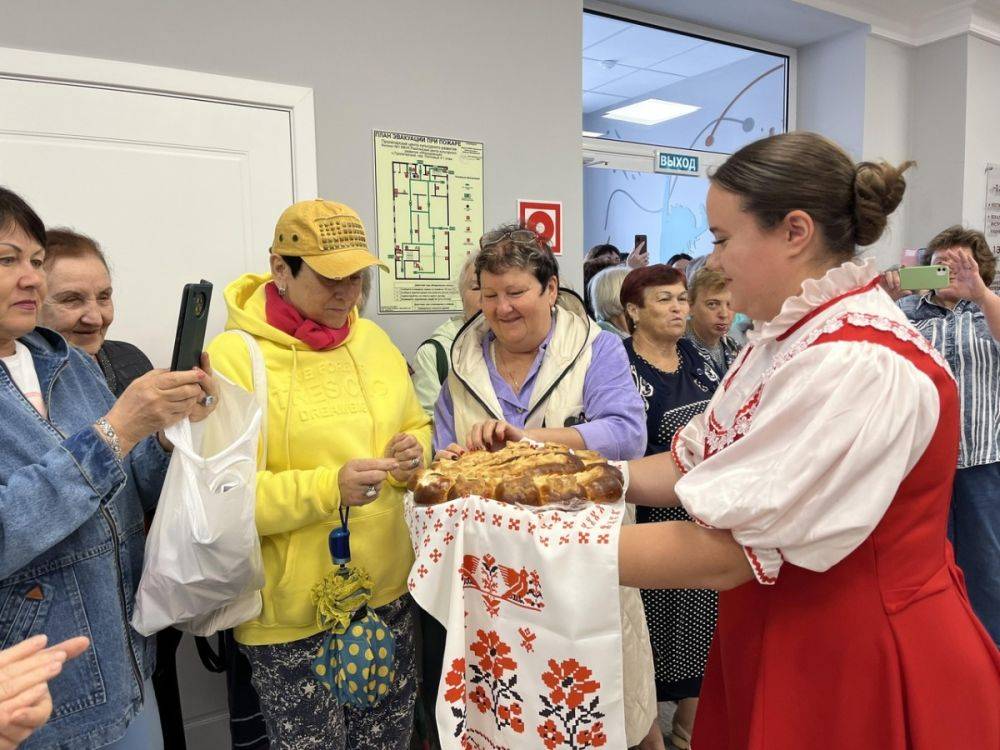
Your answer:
<point x="801" y="451"/>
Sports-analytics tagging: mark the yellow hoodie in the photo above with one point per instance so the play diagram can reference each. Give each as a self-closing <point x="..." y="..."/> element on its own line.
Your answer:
<point x="324" y="409"/>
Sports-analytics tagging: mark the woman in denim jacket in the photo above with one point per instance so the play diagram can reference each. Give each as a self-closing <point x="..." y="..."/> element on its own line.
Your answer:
<point x="77" y="470"/>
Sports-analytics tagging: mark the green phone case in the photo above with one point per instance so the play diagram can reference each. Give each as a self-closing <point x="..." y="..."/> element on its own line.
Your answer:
<point x="924" y="277"/>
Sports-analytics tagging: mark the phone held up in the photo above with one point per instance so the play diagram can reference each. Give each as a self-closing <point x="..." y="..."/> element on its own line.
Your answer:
<point x="191" y="326"/>
<point x="640" y="244"/>
<point x="924" y="277"/>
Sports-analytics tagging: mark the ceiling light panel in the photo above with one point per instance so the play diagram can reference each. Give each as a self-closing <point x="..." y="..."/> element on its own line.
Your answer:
<point x="651" y="111"/>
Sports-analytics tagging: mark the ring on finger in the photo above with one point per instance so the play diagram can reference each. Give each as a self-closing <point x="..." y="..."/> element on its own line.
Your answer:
<point x="209" y="400"/>
<point x="371" y="491"/>
<point x="415" y="463"/>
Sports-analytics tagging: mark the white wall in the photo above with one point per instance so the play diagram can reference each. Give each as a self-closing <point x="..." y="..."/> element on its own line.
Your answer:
<point x="937" y="138"/>
<point x="888" y="68"/>
<point x="507" y="74"/>
<point x="831" y="89"/>
<point x="982" y="142"/>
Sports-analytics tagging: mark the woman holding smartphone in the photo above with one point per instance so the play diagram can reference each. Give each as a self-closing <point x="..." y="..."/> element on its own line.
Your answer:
<point x="77" y="471"/>
<point x="819" y="480"/>
<point x="962" y="321"/>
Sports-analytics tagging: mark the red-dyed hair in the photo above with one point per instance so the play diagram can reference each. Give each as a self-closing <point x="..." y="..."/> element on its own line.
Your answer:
<point x="638" y="281"/>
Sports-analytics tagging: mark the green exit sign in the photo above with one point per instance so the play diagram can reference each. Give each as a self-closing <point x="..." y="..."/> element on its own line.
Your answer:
<point x="672" y="162"/>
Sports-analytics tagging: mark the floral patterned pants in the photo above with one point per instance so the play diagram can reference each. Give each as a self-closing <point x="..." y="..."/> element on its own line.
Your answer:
<point x="301" y="714"/>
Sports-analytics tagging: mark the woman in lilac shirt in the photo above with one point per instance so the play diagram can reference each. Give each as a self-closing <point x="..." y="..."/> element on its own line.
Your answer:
<point x="533" y="364"/>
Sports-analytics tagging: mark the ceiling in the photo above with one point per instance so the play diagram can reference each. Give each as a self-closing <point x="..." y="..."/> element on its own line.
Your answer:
<point x="622" y="61"/>
<point x="917" y="22"/>
<point x="782" y="22"/>
<point x="794" y="24"/>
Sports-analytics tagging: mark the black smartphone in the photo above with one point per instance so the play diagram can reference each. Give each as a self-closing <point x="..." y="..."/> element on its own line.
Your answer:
<point x="640" y="241"/>
<point x="191" y="325"/>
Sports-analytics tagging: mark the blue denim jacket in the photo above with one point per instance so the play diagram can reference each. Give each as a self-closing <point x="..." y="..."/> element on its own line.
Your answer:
<point x="71" y="542"/>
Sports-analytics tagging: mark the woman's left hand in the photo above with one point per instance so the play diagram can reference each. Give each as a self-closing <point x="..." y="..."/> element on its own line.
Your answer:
<point x="205" y="405"/>
<point x="210" y="400"/>
<point x="965" y="279"/>
<point x="492" y="435"/>
<point x="407" y="451"/>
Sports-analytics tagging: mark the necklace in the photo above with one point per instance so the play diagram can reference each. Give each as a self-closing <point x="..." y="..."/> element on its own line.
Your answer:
<point x="505" y="372"/>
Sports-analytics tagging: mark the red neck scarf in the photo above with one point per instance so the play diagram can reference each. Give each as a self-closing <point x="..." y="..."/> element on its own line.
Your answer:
<point x="287" y="319"/>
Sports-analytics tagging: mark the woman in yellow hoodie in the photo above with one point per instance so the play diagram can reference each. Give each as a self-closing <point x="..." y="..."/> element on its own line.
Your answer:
<point x="345" y="430"/>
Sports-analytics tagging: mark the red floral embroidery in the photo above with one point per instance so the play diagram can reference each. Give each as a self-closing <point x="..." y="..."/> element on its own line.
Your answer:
<point x="495" y="681"/>
<point x="455" y="680"/>
<point x="593" y="737"/>
<point x="493" y="654"/>
<point x="551" y="735"/>
<point x="571" y="714"/>
<point x="500" y="583"/>
<point x="527" y="638"/>
<point x="481" y="700"/>
<point x="569" y="682"/>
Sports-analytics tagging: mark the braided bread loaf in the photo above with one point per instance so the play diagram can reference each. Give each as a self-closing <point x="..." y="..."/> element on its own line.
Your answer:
<point x="521" y="473"/>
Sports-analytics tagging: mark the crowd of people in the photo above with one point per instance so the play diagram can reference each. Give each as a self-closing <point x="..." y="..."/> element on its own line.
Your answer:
<point x="800" y="449"/>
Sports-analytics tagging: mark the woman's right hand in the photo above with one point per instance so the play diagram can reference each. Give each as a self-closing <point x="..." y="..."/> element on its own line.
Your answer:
<point x="153" y="402"/>
<point x="25" y="670"/>
<point x="890" y="282"/>
<point x="360" y="479"/>
<point x="450" y="453"/>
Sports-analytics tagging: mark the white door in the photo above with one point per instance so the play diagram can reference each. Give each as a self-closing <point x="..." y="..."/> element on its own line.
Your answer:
<point x="174" y="188"/>
<point x="179" y="176"/>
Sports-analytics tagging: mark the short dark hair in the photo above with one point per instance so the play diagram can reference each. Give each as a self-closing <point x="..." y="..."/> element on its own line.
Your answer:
<point x="15" y="211"/>
<point x="636" y="283"/>
<point x="294" y="263"/>
<point x="62" y="242"/>
<point x="598" y="250"/>
<point x="678" y="256"/>
<point x="535" y="257"/>
<point x="959" y="236"/>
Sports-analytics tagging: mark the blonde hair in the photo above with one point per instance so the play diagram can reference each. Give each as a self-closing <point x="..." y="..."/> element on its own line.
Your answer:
<point x="605" y="290"/>
<point x="707" y="281"/>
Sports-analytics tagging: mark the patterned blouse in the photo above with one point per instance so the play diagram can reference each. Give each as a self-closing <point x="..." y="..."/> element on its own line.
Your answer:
<point x="963" y="338"/>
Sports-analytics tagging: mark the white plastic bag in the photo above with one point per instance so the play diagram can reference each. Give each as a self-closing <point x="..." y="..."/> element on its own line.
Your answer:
<point x="203" y="569"/>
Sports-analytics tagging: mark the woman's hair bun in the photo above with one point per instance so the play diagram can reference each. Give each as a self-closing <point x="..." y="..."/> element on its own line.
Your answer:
<point x="878" y="190"/>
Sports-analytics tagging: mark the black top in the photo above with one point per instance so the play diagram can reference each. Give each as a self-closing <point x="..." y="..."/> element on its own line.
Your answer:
<point x="121" y="363"/>
<point x="672" y="398"/>
<point x="681" y="621"/>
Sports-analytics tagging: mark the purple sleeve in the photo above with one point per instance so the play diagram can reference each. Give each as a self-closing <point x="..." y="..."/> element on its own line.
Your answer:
<point x="616" y="419"/>
<point x="444" y="420"/>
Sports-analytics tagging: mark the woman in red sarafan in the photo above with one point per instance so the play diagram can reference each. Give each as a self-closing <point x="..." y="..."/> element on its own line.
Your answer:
<point x="819" y="478"/>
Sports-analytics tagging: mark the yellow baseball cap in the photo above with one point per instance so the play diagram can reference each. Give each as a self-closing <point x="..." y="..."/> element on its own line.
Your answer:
<point x="328" y="236"/>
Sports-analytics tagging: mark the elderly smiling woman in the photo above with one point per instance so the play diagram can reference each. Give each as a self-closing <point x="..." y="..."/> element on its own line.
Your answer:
<point x="533" y="365"/>
<point x="77" y="470"/>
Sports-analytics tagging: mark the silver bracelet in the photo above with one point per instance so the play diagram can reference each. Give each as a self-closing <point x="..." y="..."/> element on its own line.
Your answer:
<point x="108" y="435"/>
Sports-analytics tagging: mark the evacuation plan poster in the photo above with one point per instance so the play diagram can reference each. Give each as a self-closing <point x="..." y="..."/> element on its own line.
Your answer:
<point x="429" y="211"/>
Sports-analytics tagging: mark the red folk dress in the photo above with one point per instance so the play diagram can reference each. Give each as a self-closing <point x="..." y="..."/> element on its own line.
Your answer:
<point x="829" y="454"/>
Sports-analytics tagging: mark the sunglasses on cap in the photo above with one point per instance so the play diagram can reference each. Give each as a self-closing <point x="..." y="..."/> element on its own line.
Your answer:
<point x="522" y="237"/>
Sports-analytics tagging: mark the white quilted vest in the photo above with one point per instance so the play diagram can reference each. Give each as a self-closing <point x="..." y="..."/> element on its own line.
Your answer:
<point x="556" y="398"/>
